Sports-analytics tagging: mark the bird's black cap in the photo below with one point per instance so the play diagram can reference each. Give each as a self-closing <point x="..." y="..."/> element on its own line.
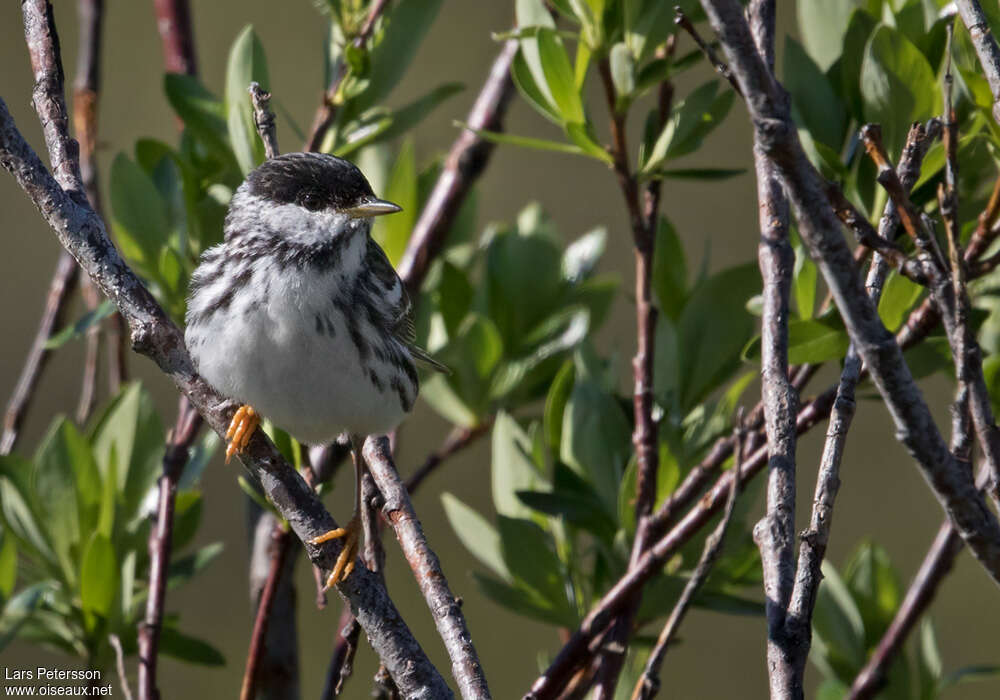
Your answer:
<point x="313" y="180"/>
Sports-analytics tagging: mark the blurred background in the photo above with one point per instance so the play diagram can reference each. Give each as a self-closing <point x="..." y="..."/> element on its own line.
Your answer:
<point x="883" y="496"/>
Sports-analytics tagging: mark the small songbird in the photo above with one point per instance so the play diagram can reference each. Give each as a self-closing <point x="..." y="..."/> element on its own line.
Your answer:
<point x="300" y="316"/>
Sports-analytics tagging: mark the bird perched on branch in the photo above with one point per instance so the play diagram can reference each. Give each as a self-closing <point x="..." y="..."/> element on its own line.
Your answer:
<point x="299" y="315"/>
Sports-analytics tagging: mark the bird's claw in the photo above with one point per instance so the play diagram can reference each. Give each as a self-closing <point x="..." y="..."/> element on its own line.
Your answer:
<point x="345" y="562"/>
<point x="241" y="429"/>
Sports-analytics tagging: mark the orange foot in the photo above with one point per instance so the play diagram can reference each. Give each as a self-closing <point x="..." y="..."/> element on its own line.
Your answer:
<point x="241" y="429"/>
<point x="345" y="562"/>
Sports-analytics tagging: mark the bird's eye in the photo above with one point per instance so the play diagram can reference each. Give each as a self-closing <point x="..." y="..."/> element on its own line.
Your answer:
<point x="311" y="201"/>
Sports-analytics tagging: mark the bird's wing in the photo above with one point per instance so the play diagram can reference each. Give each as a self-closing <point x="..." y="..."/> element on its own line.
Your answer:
<point x="399" y="318"/>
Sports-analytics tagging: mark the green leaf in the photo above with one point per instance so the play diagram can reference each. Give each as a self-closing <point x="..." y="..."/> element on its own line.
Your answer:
<point x="19" y="610"/>
<point x="839" y="634"/>
<point x="513" y="468"/>
<point x="98" y="578"/>
<point x="524" y="80"/>
<point x="823" y="23"/>
<point x="21" y="514"/>
<point x="622" y="70"/>
<point x="530" y="559"/>
<point x="479" y="537"/>
<point x="821" y="111"/>
<point x="647" y="25"/>
<point x="138" y="214"/>
<point x="8" y="565"/>
<point x="61" y="457"/>
<point x="132" y="427"/>
<point x="669" y="269"/>
<point x="806" y="276"/>
<point x="533" y="13"/>
<point x="847" y="71"/>
<point x="555" y="404"/>
<point x="403" y="119"/>
<point x="81" y="326"/>
<point x="899" y="294"/>
<point x="190" y="649"/>
<point x="187" y="517"/>
<point x="525" y="141"/>
<point x="875" y="587"/>
<point x="203" y="114"/>
<point x="405" y="28"/>
<point x="522" y="602"/>
<point x="928" y="655"/>
<point x="393" y="232"/>
<point x="439" y="394"/>
<point x="690" y="122"/>
<point x="898" y="86"/>
<point x="582" y="136"/>
<point x="579" y="507"/>
<point x="246" y="64"/>
<point x="558" y="75"/>
<point x="581" y="256"/>
<point x="711" y="350"/>
<point x="595" y="440"/>
<point x="809" y="341"/>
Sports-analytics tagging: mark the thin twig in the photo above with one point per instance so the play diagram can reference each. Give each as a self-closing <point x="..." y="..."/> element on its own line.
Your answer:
<point x="446" y="611"/>
<point x="458" y="439"/>
<point x="161" y="543"/>
<point x="327" y="111"/>
<point x="116" y="644"/>
<point x="60" y="291"/>
<point x="682" y="21"/>
<point x="649" y="682"/>
<point x="342" y="661"/>
<point x="263" y="118"/>
<point x="81" y="232"/>
<point x="280" y="540"/>
<point x="466" y="161"/>
<point x="173" y="21"/>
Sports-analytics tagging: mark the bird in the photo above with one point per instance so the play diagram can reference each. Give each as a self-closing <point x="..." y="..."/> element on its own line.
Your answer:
<point x="300" y="317"/>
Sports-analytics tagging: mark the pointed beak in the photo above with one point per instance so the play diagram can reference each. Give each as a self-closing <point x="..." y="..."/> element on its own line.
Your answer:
<point x="373" y="207"/>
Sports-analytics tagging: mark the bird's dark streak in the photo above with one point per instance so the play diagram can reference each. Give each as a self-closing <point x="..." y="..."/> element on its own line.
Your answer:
<point x="404" y="400"/>
<point x="373" y="376"/>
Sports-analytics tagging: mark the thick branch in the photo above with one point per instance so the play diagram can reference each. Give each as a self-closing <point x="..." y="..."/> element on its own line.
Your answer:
<point x="173" y="21"/>
<point x="444" y="608"/>
<point x="775" y="533"/>
<point x="818" y="226"/>
<point x="986" y="47"/>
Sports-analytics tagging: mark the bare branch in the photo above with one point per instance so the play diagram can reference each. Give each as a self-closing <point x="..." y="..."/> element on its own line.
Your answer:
<point x="649" y="683"/>
<point x="458" y="439"/>
<point x="775" y="533"/>
<point x="818" y="227"/>
<point x="426" y="568"/>
<point x="280" y="549"/>
<point x="682" y="21"/>
<point x="466" y="161"/>
<point x="161" y="543"/>
<point x="116" y="644"/>
<point x="173" y="21"/>
<point x="60" y="291"/>
<point x="986" y="47"/>
<point x="263" y="118"/>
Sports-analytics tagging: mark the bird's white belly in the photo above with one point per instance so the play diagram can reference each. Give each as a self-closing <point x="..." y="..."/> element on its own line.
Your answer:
<point x="309" y="381"/>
